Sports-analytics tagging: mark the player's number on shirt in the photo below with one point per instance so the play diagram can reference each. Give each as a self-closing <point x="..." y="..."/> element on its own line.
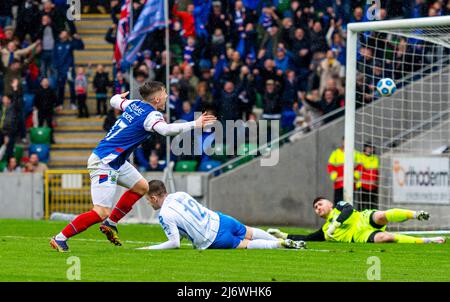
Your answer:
<point x="192" y="207"/>
<point x="118" y="126"/>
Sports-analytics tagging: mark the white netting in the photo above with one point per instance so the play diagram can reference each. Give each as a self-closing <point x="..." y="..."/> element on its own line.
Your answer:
<point x="409" y="130"/>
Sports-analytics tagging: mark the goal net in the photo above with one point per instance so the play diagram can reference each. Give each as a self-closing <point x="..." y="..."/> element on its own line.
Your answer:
<point x="409" y="131"/>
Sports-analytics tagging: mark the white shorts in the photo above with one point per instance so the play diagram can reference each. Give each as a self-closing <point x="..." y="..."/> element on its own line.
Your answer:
<point x="104" y="180"/>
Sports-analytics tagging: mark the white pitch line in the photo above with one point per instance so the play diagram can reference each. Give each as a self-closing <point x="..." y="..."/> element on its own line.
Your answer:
<point x="135" y="242"/>
<point x="91" y="240"/>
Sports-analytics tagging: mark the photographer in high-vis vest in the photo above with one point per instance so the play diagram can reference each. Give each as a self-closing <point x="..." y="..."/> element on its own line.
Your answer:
<point x="369" y="165"/>
<point x="336" y="172"/>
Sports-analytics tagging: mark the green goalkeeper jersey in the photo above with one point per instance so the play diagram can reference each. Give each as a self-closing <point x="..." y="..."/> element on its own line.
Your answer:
<point x="349" y="222"/>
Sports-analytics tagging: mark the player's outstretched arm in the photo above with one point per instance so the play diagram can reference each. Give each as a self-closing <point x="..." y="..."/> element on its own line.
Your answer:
<point x="162" y="246"/>
<point x="173" y="235"/>
<point x="316" y="236"/>
<point x="155" y="122"/>
<point x="119" y="101"/>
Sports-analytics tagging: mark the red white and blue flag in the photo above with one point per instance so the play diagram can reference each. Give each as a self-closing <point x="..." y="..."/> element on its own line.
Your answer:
<point x="123" y="30"/>
<point x="151" y="18"/>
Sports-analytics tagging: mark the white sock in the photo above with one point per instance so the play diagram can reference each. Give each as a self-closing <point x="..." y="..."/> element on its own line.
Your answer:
<point x="60" y="236"/>
<point x="263" y="244"/>
<point x="261" y="234"/>
<point x="111" y="222"/>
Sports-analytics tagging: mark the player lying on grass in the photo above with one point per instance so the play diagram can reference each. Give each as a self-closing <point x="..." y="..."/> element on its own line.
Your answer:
<point x="108" y="165"/>
<point x="344" y="224"/>
<point x="181" y="216"/>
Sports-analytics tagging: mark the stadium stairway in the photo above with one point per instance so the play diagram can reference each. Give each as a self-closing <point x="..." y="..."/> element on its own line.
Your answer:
<point x="76" y="137"/>
<point x="92" y="29"/>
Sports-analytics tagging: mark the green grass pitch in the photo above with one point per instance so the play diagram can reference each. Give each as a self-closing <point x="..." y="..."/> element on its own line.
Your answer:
<point x="25" y="255"/>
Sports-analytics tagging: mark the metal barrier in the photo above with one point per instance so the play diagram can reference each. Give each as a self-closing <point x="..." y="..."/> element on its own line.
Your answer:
<point x="67" y="191"/>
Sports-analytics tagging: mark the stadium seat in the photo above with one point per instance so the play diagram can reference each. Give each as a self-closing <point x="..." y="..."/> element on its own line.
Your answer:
<point x="40" y="135"/>
<point x="18" y="152"/>
<point x="3" y="165"/>
<point x="245" y="149"/>
<point x="259" y="103"/>
<point x="42" y="151"/>
<point x="220" y="152"/>
<point x="186" y="166"/>
<point x="230" y="166"/>
<point x="207" y="165"/>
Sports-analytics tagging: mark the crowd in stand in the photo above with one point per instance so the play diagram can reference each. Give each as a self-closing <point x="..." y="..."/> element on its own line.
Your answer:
<point x="270" y="60"/>
<point x="244" y="60"/>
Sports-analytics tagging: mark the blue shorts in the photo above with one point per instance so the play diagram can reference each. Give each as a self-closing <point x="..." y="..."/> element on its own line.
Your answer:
<point x="231" y="233"/>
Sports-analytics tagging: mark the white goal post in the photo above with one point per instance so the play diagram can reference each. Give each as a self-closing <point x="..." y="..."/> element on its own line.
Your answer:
<point x="411" y="124"/>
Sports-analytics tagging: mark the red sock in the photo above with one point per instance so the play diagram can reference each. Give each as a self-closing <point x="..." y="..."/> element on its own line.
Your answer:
<point x="81" y="223"/>
<point x="124" y="205"/>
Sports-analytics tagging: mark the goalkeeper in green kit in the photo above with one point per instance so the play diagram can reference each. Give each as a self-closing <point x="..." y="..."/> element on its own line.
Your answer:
<point x="345" y="224"/>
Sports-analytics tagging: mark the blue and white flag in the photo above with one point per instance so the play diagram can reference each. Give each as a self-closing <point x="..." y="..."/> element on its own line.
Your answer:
<point x="151" y="18"/>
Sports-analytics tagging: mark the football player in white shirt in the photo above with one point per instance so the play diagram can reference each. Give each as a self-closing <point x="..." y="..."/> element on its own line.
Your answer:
<point x="181" y="216"/>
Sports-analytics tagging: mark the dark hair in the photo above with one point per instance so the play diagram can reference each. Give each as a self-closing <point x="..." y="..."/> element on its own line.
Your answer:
<point x="317" y="199"/>
<point x="149" y="88"/>
<point x="156" y="187"/>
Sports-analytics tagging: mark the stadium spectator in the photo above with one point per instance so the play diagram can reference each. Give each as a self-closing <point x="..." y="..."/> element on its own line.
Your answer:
<point x="369" y="164"/>
<point x="326" y="105"/>
<point x="188" y="110"/>
<point x="45" y="102"/>
<point x="228" y="103"/>
<point x="111" y="34"/>
<point x="120" y="84"/>
<point x="8" y="126"/>
<point x="346" y="224"/>
<point x="34" y="165"/>
<point x="48" y="35"/>
<point x="101" y="83"/>
<point x="153" y="163"/>
<point x="58" y="15"/>
<point x="11" y="53"/>
<point x="63" y="61"/>
<point x="336" y="170"/>
<point x="186" y="18"/>
<point x="272" y="105"/>
<point x="81" y="86"/>
<point x="318" y="42"/>
<point x="188" y="84"/>
<point x="28" y="18"/>
<point x="6" y="35"/>
<point x="6" y="16"/>
<point x="17" y="102"/>
<point x="329" y="68"/>
<point x="111" y="118"/>
<point x="12" y="166"/>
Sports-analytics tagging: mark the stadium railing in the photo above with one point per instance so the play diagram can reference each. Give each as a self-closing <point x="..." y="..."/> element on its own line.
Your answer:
<point x="67" y="191"/>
